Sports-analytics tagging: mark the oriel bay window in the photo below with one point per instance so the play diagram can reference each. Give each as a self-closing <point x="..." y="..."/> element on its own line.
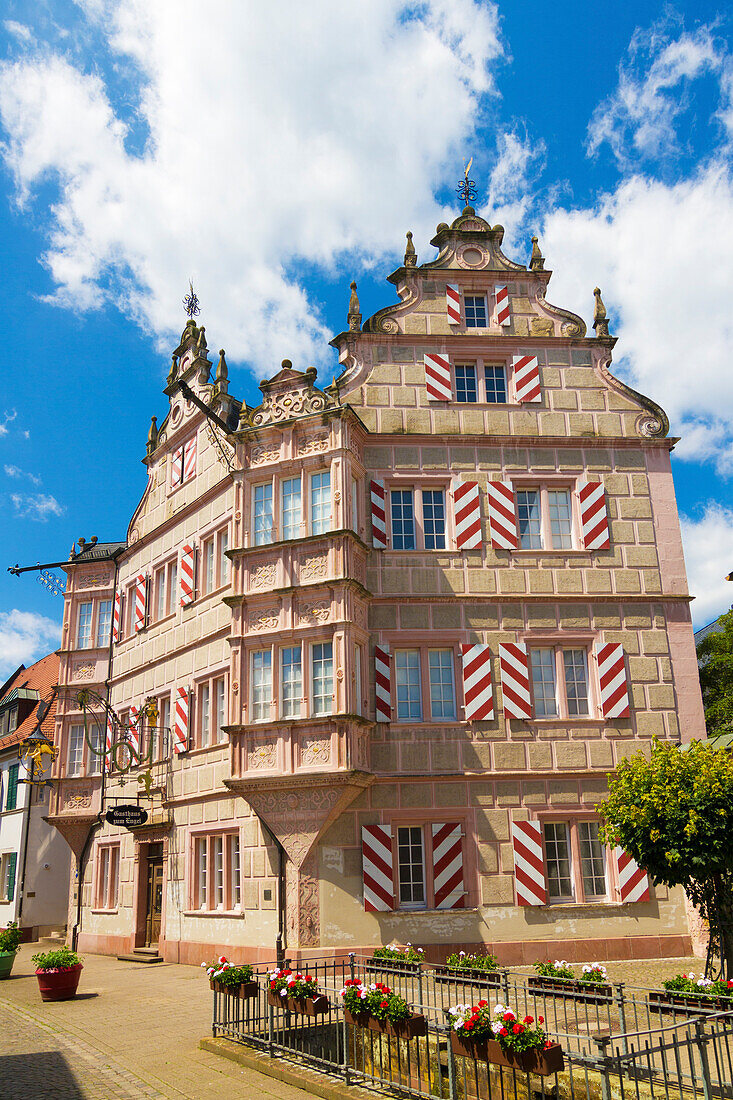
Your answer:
<point x="559" y="682"/>
<point x="288" y="508"/>
<point x="303" y="686"/>
<point x="417" y="518"/>
<point x="544" y="519"/>
<point x="575" y="861"/>
<point x="414" y="668"/>
<point x="216" y="873"/>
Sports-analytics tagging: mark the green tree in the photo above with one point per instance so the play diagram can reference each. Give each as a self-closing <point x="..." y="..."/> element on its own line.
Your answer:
<point x="673" y="813"/>
<point x="715" y="655"/>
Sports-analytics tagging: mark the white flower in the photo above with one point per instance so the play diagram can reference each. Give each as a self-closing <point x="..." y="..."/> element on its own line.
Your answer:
<point x="461" y="952"/>
<point x="363" y="994"/>
<point x="496" y="1027"/>
<point x="420" y="951"/>
<point x="283" y="992"/>
<point x="343" y="992"/>
<point x="500" y="1009"/>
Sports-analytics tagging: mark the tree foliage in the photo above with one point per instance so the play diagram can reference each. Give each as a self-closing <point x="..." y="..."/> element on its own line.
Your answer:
<point x="715" y="654"/>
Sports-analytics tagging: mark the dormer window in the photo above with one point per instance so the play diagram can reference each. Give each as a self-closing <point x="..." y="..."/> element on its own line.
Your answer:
<point x="475" y="311"/>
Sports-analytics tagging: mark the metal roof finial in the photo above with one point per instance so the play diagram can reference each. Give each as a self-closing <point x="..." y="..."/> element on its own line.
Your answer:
<point x="466" y="189"/>
<point x="191" y="302"/>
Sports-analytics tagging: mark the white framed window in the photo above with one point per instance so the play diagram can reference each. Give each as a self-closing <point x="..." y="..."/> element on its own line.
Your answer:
<point x="216" y="880"/>
<point x="320" y="502"/>
<point x="201" y="852"/>
<point x="172" y="585"/>
<point x="223" y="561"/>
<point x="560" y="685"/>
<point x="475" y="312"/>
<point x="164" y="725"/>
<point x="291" y="681"/>
<point x="433" y="518"/>
<point x="291" y="508"/>
<point x="261" y="696"/>
<point x="235" y="872"/>
<point x="466" y="383"/>
<point x="8" y="866"/>
<point x="96" y="752"/>
<point x="575" y="861"/>
<point x="408" y="685"/>
<point x="104" y="623"/>
<point x="411" y="867"/>
<point x="495" y="387"/>
<point x="417" y="519"/>
<point x="75" y="756"/>
<point x="204" y="722"/>
<point x="84" y="625"/>
<point x="220" y="708"/>
<point x="441" y="669"/>
<point x="262" y="514"/>
<point x="480" y="381"/>
<point x="211" y="711"/>
<point x="218" y="846"/>
<point x="322" y="678"/>
<point x="208" y="583"/>
<point x="544" y="518"/>
<point x="108" y="873"/>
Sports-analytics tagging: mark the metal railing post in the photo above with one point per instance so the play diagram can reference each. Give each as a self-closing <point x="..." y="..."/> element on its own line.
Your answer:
<point x="419" y="986"/>
<point x="505" y="984"/>
<point x="452" y="1083"/>
<point x="351" y="964"/>
<point x="702" y="1041"/>
<point x="270" y="1017"/>
<point x="604" y="1064"/>
<point x="621" y="1002"/>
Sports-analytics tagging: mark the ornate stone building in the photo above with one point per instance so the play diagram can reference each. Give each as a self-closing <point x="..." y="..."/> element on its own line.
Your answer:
<point x="397" y="631"/>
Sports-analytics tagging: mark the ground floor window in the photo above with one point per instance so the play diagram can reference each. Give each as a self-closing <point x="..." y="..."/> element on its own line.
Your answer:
<point x="216" y="872"/>
<point x="575" y="859"/>
<point x="8" y="862"/>
<point x="108" y="874"/>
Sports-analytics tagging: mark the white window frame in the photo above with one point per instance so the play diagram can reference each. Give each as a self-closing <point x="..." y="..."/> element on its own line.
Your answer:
<point x="320" y="502"/>
<point x="558" y="650"/>
<point x="256" y="540"/>
<point x="291" y="530"/>
<point x="85" y="642"/>
<point x="547" y="539"/>
<point x="322" y="703"/>
<point x="487" y="315"/>
<point x="265" y="703"/>
<point x="418" y="515"/>
<point x="412" y="904"/>
<point x="577" y="894"/>
<point x="108" y="876"/>
<point x="216" y="876"/>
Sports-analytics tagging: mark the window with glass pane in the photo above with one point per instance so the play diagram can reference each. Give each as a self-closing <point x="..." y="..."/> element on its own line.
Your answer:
<point x="354" y="505"/>
<point x="561" y="518"/>
<point x="403" y="519"/>
<point x="208" y="554"/>
<point x="201" y="857"/>
<point x="261" y="685"/>
<point x="320" y="503"/>
<point x="223" y="559"/>
<point x="263" y="514"/>
<point x="96" y="752"/>
<point x="475" y="310"/>
<point x="557" y="860"/>
<point x="235" y="885"/>
<point x="220" y="707"/>
<point x="104" y="858"/>
<point x="84" y="631"/>
<point x="411" y="867"/>
<point x="104" y="622"/>
<point x="592" y="860"/>
<point x="466" y="386"/>
<point x="204" y="715"/>
<point x="433" y="517"/>
<point x="442" y="688"/>
<point x="218" y="872"/>
<point x="164" y="706"/>
<point x="291" y="681"/>
<point x="322" y="678"/>
<point x="159" y="593"/>
<point x="291" y="508"/>
<point x="542" y="663"/>
<point x="172" y="583"/>
<point x="528" y="519"/>
<point x="495" y="379"/>
<point x="357" y="678"/>
<point x="407" y="683"/>
<point x="76" y="750"/>
<point x="575" y="662"/>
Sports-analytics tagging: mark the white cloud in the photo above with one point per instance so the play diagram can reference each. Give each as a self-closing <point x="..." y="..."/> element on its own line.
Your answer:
<point x="518" y="162"/>
<point x="8" y="417"/>
<point x="319" y="131"/>
<point x="660" y="254"/>
<point x="18" y="30"/>
<point x="708" y="544"/>
<point x="16" y="472"/>
<point x="24" y="638"/>
<point x="37" y="507"/>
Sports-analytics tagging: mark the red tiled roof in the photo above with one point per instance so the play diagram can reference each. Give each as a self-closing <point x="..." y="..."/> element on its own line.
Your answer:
<point x="42" y="677"/>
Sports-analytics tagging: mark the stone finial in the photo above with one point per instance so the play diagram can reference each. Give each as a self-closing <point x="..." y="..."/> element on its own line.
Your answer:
<point x="537" y="260"/>
<point x="600" y="319"/>
<point x="222" y="371"/>
<point x="153" y="435"/>
<point x="173" y="372"/>
<point x="410" y="253"/>
<point x="201" y="344"/>
<point x="353" y="317"/>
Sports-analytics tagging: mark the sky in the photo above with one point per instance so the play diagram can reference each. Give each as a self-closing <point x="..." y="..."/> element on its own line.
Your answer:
<point x="274" y="152"/>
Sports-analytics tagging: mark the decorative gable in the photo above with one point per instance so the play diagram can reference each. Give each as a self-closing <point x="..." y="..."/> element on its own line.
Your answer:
<point x="289" y="395"/>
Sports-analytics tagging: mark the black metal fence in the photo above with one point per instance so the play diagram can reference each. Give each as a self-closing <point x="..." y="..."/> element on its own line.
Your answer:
<point x="618" y="1041"/>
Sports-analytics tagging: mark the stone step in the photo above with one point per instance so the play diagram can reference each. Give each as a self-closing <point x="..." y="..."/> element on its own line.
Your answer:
<point x="141" y="957"/>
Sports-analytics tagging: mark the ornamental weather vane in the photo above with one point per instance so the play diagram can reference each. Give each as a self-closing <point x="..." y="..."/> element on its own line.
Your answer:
<point x="466" y="189"/>
<point x="191" y="302"/>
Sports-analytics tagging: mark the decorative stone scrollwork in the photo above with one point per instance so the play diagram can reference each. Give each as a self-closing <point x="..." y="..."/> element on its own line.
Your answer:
<point x="83" y="672"/>
<point x="652" y="427"/>
<point x="262" y="756"/>
<point x="263" y="575"/>
<point x="262" y="454"/>
<point x="314" y="444"/>
<point x="360" y="569"/>
<point x="315" y="750"/>
<point x="388" y="325"/>
<point x="95" y="580"/>
<point x="313" y="568"/>
<point x="316" y="613"/>
<point x="78" y="800"/>
<point x="572" y="328"/>
<point x="267" y="619"/>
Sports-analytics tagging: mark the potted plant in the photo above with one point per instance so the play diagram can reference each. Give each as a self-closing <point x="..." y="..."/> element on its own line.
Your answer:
<point x="296" y="993"/>
<point x="595" y="981"/>
<point x="396" y="959"/>
<point x="687" y="995"/>
<point x="469" y="969"/>
<point x="58" y="974"/>
<point x="552" y="978"/>
<point x="9" y="948"/>
<point x="225" y="977"/>
<point x="377" y="1008"/>
<point x="501" y="1038"/>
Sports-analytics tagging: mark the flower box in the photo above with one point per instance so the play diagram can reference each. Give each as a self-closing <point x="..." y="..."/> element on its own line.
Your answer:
<point x="59" y="984"/>
<point x="246" y="991"/>
<point x="7" y="958"/>
<point x="688" y="1004"/>
<point x="541" y="1060"/>
<point x="489" y="978"/>
<point x="305" y="1006"/>
<point x="590" y="992"/>
<point x="411" y="1028"/>
<point x="391" y="966"/>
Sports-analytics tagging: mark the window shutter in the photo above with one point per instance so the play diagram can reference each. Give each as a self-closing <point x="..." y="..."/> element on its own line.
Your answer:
<point x="382" y="684"/>
<point x="453" y="303"/>
<point x="141" y="601"/>
<point x="613" y="680"/>
<point x="633" y="883"/>
<point x="189" y="459"/>
<point x="108" y="744"/>
<point x="437" y="377"/>
<point x="502" y="315"/>
<point x="526" y="375"/>
<point x="529" y="863"/>
<point x="379" y="515"/>
<point x="593" y="516"/>
<point x="514" y="668"/>
<point x="467" y="514"/>
<point x="177" y="466"/>
<point x="502" y="515"/>
<point x="123" y="612"/>
<point x="180" y="730"/>
<point x="133" y="737"/>
<point x="116" y="617"/>
<point x="185" y="574"/>
<point x="477" y="690"/>
<point x="448" y="886"/>
<point x="12" y="863"/>
<point x="378" y="868"/>
<point x="11" y="800"/>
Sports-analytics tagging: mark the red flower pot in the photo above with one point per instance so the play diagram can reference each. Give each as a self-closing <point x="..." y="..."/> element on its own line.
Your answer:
<point x="59" y="985"/>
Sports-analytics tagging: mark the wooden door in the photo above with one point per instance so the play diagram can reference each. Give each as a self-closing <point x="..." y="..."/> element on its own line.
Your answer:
<point x="155" y="902"/>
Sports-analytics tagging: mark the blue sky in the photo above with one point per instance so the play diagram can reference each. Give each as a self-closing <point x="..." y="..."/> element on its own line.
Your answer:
<point x="275" y="152"/>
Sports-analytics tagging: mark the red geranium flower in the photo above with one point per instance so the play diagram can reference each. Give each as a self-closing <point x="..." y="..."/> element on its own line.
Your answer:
<point x="468" y="1025"/>
<point x="529" y="1019"/>
<point x="541" y="1019"/>
<point x="503" y="1031"/>
<point x="509" y="1016"/>
<point x="517" y="1029"/>
<point x="482" y="1004"/>
<point x="383" y="1004"/>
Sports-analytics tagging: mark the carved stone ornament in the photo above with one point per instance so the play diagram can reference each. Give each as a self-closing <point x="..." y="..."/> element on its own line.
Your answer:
<point x="78" y="800"/>
<point x="471" y="256"/>
<point x="313" y="568"/>
<point x="288" y="395"/>
<point x="267" y="619"/>
<point x="263" y="453"/>
<point x="312" y="445"/>
<point x="360" y="569"/>
<point x="262" y="755"/>
<point x="134" y="536"/>
<point x="652" y="427"/>
<point x="83" y="672"/>
<point x="316" y="613"/>
<point x="263" y="575"/>
<point x="315" y="751"/>
<point x="94" y="580"/>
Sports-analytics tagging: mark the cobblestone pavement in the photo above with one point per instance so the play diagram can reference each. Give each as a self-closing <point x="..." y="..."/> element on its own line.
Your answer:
<point x="132" y="1032"/>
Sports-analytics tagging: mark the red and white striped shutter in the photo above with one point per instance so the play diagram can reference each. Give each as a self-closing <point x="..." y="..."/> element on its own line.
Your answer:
<point x="514" y="669"/>
<point x="477" y="691"/>
<point x="379" y="515"/>
<point x="382" y="684"/>
<point x="180" y="727"/>
<point x="448" y="886"/>
<point x="185" y="574"/>
<point x="596" y="534"/>
<point x="116" y="617"/>
<point x="502" y="314"/>
<point x="502" y="512"/>
<point x="633" y="883"/>
<point x="133" y="735"/>
<point x="467" y="514"/>
<point x="529" y="863"/>
<point x="109" y="738"/>
<point x="189" y="459"/>
<point x="613" y="681"/>
<point x="177" y="466"/>
<point x="378" y="868"/>
<point x="141" y="602"/>
<point x="437" y="377"/>
<point x="526" y="375"/>
<point x="453" y="303"/>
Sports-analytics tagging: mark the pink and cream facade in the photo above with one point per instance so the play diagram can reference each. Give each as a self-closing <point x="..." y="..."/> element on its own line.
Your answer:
<point x="400" y="629"/>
